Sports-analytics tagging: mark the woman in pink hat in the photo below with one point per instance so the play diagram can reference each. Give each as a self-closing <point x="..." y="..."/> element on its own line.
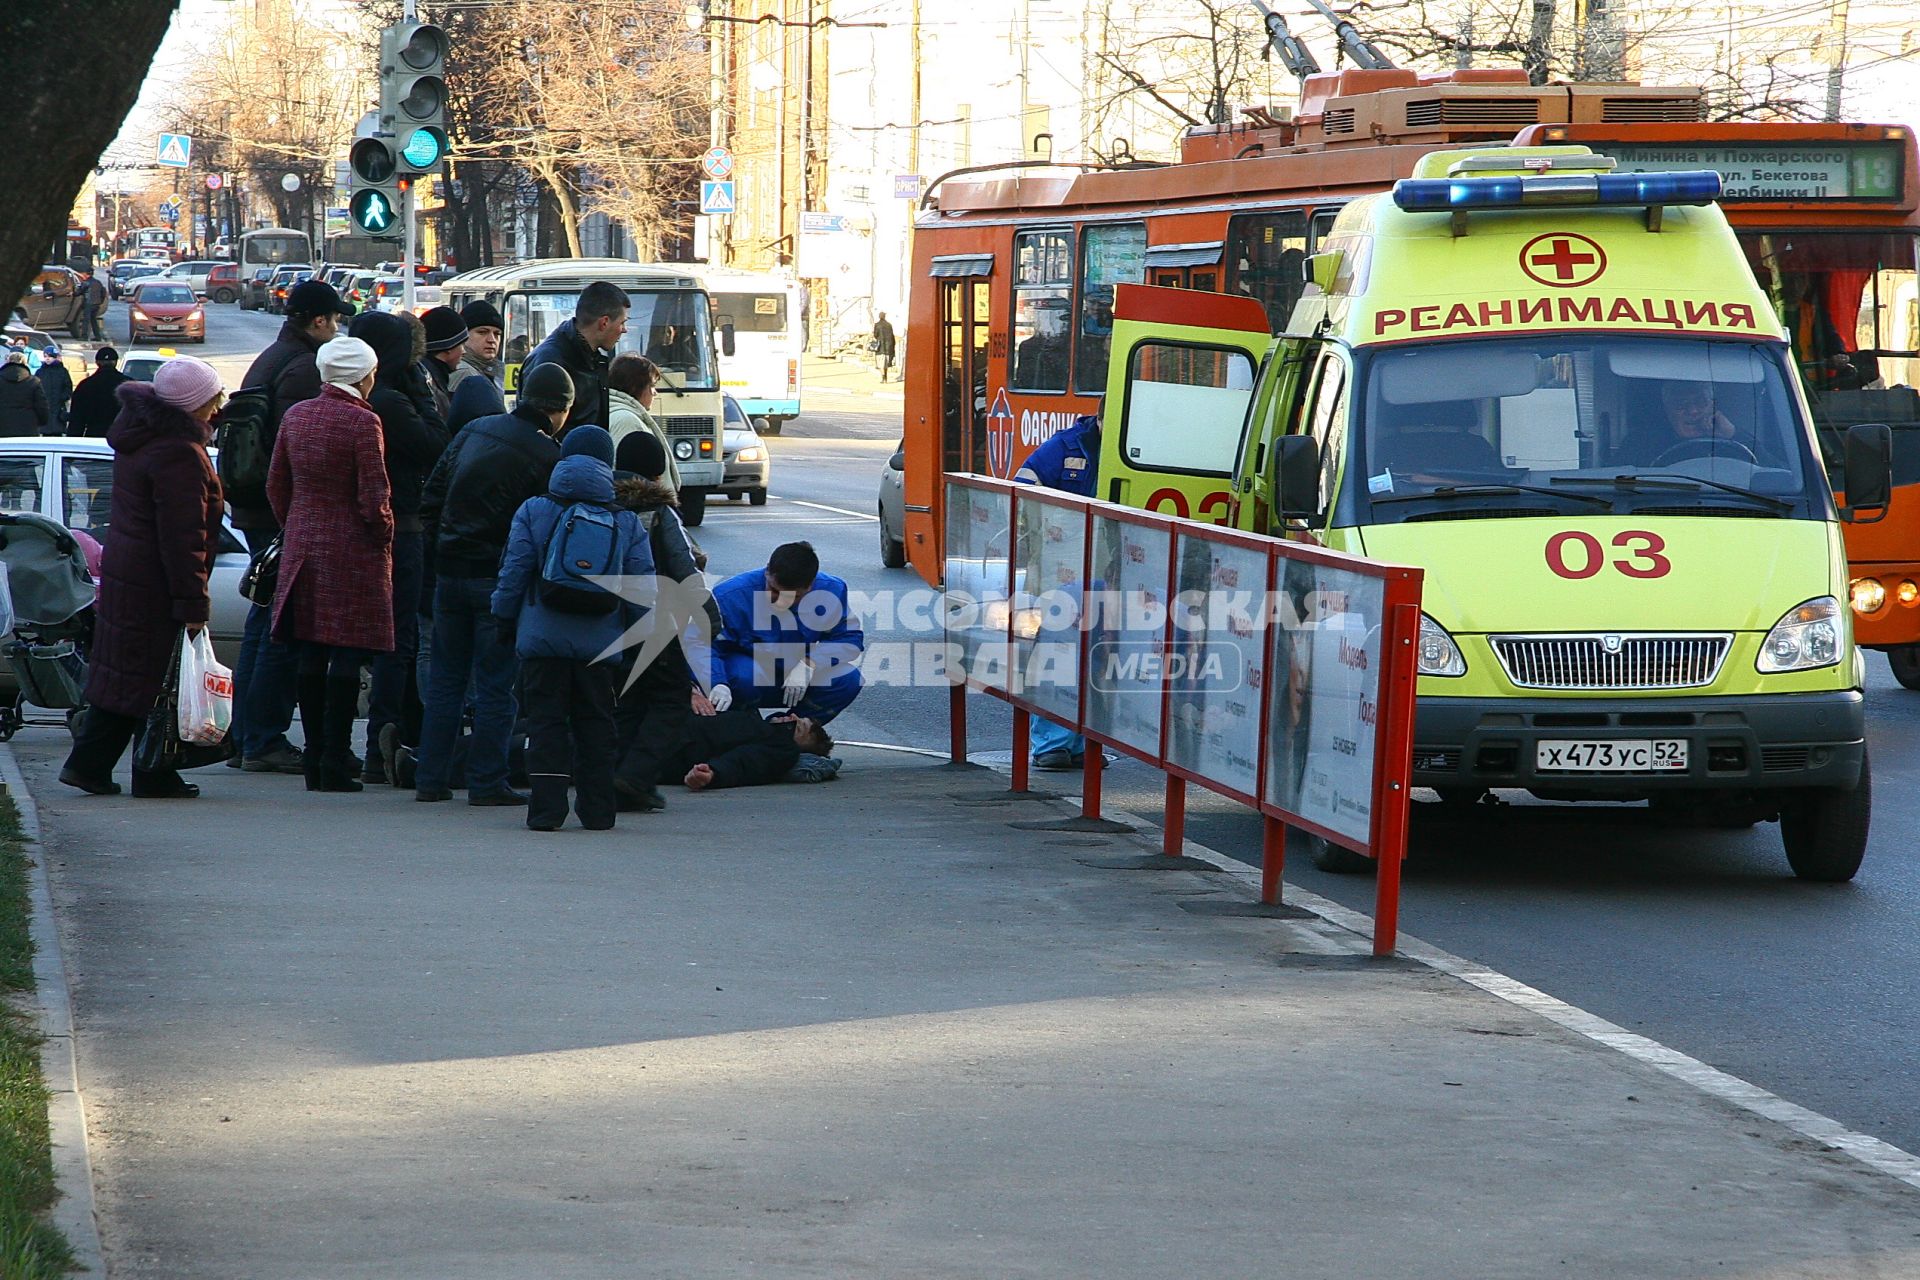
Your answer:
<point x="153" y="574"/>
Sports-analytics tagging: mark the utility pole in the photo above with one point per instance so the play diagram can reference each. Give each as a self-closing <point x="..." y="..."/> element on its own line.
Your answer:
<point x="1836" y="58"/>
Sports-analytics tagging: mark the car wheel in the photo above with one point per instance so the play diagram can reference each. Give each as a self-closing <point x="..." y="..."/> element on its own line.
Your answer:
<point x="223" y="295"/>
<point x="758" y="497"/>
<point x="735" y="497"/>
<point x="1905" y="662"/>
<point x="1825" y="831"/>
<point x="693" y="507"/>
<point x="893" y="551"/>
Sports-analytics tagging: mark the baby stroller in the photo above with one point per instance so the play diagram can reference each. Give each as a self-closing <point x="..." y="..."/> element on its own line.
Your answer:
<point x="48" y="609"/>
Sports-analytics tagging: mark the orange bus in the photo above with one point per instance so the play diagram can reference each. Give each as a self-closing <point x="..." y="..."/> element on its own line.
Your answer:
<point x="1829" y="215"/>
<point x="1014" y="270"/>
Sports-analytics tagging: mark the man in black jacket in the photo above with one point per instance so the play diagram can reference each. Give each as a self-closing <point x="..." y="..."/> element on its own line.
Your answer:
<point x="54" y="377"/>
<point x="736" y="748"/>
<point x="96" y="401"/>
<point x="264" y="676"/>
<point x="415" y="439"/>
<point x="492" y="466"/>
<point x="581" y="346"/>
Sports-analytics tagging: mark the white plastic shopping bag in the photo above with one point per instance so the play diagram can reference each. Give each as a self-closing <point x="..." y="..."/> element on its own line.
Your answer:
<point x="206" y="692"/>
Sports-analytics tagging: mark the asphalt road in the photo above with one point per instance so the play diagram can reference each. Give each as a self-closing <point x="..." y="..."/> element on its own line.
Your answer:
<point x="1699" y="938"/>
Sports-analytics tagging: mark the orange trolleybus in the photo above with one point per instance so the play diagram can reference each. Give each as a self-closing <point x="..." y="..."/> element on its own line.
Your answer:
<point x="1014" y="270"/>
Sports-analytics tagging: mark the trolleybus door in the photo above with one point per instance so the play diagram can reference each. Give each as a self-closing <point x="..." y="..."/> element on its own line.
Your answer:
<point x="963" y="374"/>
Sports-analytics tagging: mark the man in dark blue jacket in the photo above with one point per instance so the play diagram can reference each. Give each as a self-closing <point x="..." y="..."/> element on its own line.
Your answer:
<point x="581" y="346"/>
<point x="1068" y="460"/>
<point x="492" y="466"/>
<point x="787" y="638"/>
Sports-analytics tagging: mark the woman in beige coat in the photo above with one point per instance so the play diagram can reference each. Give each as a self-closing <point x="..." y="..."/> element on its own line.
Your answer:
<point x="630" y="388"/>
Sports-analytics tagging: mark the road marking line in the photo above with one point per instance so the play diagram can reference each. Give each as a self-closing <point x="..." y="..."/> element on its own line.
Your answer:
<point x="1875" y="1153"/>
<point x="821" y="506"/>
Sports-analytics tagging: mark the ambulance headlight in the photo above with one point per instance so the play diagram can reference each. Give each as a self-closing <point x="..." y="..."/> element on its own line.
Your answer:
<point x="1439" y="655"/>
<point x="1866" y="595"/>
<point x="1806" y="637"/>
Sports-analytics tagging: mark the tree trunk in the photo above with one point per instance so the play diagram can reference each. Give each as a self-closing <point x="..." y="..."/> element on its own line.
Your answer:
<point x="65" y="130"/>
<point x="1539" y="42"/>
<point x="569" y="217"/>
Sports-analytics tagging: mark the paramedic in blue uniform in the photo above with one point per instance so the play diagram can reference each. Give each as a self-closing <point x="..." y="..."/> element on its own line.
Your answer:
<point x="788" y="640"/>
<point x="1068" y="460"/>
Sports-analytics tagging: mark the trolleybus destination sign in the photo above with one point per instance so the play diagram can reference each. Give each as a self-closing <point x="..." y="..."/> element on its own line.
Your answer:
<point x="1776" y="171"/>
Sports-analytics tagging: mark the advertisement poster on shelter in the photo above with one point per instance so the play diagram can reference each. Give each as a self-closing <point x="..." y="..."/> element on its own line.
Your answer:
<point x="1325" y="709"/>
<point x="1218" y="664"/>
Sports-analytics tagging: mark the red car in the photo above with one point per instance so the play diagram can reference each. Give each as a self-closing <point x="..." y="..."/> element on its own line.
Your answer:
<point x="223" y="282"/>
<point x="163" y="309"/>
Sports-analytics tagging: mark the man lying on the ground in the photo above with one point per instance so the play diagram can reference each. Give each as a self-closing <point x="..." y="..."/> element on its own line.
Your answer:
<point x="737" y="748"/>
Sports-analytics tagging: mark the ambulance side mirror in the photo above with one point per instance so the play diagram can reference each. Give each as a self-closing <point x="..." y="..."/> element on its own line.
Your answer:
<point x="1322" y="269"/>
<point x="1867" y="473"/>
<point x="1295" y="478"/>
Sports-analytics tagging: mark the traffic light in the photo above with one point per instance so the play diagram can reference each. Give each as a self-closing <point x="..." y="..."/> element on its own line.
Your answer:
<point x="374" y="210"/>
<point x="413" y="95"/>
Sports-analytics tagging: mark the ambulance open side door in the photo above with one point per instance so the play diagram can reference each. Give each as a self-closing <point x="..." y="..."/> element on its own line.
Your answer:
<point x="1179" y="379"/>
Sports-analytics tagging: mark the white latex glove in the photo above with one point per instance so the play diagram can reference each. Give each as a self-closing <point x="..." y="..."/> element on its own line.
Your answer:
<point x="721" y="697"/>
<point x="797" y="683"/>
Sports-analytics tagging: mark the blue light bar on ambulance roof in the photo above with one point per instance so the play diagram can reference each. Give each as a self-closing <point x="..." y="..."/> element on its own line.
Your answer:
<point x="1451" y="195"/>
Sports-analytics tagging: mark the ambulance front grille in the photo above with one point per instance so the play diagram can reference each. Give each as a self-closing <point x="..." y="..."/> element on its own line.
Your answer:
<point x="1613" y="660"/>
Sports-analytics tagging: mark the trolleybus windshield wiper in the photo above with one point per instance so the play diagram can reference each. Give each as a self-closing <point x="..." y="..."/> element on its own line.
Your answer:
<point x="1490" y="491"/>
<point x="1674" y="480"/>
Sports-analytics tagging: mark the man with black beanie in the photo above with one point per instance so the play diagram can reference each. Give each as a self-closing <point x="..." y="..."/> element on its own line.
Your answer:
<point x="96" y="400"/>
<point x="446" y="340"/>
<point x="485" y="331"/>
<point x="493" y="465"/>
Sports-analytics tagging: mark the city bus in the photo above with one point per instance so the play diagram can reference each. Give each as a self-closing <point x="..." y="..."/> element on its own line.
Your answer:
<point x="761" y="314"/>
<point x="1829" y="216"/>
<point x="1011" y="312"/>
<point x="273" y="247"/>
<point x="345" y="249"/>
<point x="670" y="322"/>
<point x="146" y="242"/>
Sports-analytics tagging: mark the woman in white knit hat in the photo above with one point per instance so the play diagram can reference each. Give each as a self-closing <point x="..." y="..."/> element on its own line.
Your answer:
<point x="153" y="575"/>
<point x="328" y="487"/>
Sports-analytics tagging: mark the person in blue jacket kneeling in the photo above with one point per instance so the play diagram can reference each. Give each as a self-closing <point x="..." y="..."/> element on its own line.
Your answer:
<point x="787" y="639"/>
<point x="569" y="631"/>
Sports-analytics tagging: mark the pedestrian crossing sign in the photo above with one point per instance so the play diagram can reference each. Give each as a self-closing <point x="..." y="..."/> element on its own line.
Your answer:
<point x="716" y="197"/>
<point x="176" y="150"/>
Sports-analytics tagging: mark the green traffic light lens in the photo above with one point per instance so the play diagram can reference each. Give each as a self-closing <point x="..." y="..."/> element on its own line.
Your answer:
<point x="423" y="149"/>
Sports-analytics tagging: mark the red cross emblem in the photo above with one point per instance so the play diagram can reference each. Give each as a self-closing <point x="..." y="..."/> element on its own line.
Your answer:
<point x="1563" y="260"/>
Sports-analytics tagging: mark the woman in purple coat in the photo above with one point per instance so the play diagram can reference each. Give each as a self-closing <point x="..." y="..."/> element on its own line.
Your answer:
<point x="328" y="487"/>
<point x="165" y="525"/>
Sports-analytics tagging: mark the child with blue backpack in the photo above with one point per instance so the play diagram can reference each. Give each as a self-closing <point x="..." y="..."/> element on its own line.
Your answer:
<point x="569" y="631"/>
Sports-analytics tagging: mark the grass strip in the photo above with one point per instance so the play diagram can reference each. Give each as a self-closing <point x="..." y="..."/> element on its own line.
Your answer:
<point x="30" y="1248"/>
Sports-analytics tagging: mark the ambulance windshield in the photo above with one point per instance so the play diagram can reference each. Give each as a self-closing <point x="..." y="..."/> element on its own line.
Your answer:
<point x="1510" y="426"/>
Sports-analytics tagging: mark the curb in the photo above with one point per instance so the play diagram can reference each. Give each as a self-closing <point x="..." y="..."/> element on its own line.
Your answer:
<point x="73" y="1212"/>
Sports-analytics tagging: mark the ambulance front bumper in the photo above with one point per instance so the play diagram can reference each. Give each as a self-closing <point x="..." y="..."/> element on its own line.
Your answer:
<point x="1732" y="743"/>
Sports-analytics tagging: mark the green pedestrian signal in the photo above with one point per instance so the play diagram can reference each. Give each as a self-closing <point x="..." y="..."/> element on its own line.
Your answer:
<point x="372" y="211"/>
<point x="424" y="148"/>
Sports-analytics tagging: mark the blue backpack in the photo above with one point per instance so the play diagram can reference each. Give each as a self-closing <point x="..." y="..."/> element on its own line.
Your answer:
<point x="586" y="543"/>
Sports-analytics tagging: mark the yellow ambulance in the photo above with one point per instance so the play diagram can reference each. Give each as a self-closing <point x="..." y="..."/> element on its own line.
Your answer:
<point x="1560" y="392"/>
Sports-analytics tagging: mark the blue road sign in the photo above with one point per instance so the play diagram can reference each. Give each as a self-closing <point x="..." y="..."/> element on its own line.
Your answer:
<point x="716" y="197"/>
<point x="176" y="150"/>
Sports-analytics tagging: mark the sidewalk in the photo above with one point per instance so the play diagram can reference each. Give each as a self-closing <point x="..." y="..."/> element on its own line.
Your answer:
<point x="826" y="376"/>
<point x="864" y="1029"/>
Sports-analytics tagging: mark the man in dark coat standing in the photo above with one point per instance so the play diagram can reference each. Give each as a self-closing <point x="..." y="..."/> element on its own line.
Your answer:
<point x="58" y="382"/>
<point x="23" y="400"/>
<point x="265" y="677"/>
<point x="153" y="577"/>
<point x="414" y="443"/>
<point x="93" y="306"/>
<point x="446" y="343"/>
<point x="581" y="346"/>
<point x="884" y="346"/>
<point x="96" y="400"/>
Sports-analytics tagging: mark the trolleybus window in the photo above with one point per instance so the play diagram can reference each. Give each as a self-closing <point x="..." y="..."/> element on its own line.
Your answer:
<point x="1264" y="256"/>
<point x="1110" y="255"/>
<point x="1185" y="406"/>
<point x="752" y="312"/>
<point x="1042" y="295"/>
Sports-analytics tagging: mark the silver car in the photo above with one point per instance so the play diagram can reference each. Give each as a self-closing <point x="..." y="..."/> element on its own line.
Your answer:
<point x="70" y="478"/>
<point x="744" y="454"/>
<point x="192" y="274"/>
<point x="893" y="510"/>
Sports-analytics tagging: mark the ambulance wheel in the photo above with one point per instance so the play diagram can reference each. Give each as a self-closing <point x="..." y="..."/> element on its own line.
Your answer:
<point x="693" y="507"/>
<point x="1905" y="662"/>
<point x="1825" y="831"/>
<point x="1338" y="859"/>
<point x="757" y="497"/>
<point x="893" y="551"/>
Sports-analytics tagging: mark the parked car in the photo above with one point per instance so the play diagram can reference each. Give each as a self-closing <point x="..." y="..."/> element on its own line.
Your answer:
<point x="53" y="302"/>
<point x="165" y="308"/>
<point x="142" y="365"/>
<point x="253" y="289"/>
<point x="284" y="278"/>
<point x="744" y="453"/>
<point x="34" y="338"/>
<point x="192" y="273"/>
<point x="118" y="273"/>
<point x="893" y="510"/>
<point x="70" y="478"/>
<point x="223" y="282"/>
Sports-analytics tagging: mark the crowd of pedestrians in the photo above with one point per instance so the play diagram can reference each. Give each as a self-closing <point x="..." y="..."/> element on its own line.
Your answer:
<point x="515" y="582"/>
